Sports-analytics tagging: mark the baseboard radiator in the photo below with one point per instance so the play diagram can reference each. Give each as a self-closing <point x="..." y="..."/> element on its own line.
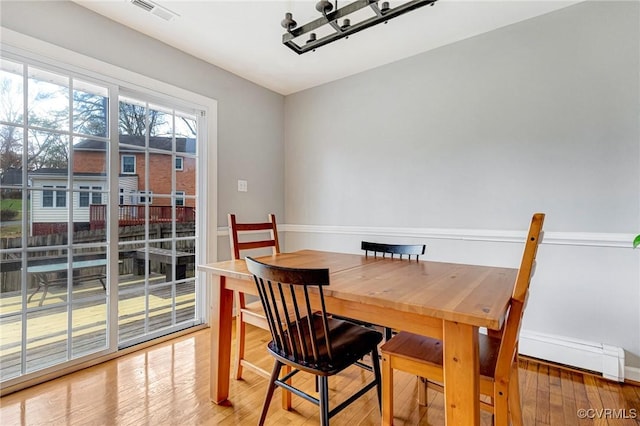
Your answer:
<point x="597" y="357"/>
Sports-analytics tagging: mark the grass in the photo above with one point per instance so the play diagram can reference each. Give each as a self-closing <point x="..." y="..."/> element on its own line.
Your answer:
<point x="11" y="231"/>
<point x="12" y="204"/>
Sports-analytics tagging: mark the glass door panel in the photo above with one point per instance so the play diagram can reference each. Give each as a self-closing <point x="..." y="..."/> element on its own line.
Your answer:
<point x="54" y="295"/>
<point x="157" y="154"/>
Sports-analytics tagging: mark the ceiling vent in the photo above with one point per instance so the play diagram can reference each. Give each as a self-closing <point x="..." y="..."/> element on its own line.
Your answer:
<point x="155" y="9"/>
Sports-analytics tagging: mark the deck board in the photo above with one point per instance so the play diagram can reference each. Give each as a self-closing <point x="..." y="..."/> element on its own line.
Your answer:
<point x="46" y="343"/>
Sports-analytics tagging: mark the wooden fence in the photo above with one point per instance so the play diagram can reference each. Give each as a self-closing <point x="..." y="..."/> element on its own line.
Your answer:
<point x="11" y="264"/>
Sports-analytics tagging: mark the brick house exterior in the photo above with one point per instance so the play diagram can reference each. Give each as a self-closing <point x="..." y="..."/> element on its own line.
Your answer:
<point x="90" y="160"/>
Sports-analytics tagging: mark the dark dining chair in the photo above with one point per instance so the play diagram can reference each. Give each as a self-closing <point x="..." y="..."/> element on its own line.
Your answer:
<point x="392" y="250"/>
<point x="306" y="338"/>
<point x="498" y="351"/>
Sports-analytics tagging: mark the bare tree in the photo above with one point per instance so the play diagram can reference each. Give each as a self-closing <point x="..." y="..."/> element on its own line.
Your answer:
<point x="10" y="136"/>
<point x="132" y="119"/>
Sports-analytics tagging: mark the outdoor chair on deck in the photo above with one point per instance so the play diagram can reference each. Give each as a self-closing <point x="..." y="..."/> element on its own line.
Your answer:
<point x="498" y="351"/>
<point x="306" y="339"/>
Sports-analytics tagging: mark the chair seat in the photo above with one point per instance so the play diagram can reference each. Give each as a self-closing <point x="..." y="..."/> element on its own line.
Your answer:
<point x="427" y="350"/>
<point x="349" y="343"/>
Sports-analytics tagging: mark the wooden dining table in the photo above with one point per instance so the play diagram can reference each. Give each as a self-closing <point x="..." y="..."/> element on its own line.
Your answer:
<point x="447" y="301"/>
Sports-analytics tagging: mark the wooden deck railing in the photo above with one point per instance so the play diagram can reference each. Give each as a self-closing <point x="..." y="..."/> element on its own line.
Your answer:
<point x="131" y="215"/>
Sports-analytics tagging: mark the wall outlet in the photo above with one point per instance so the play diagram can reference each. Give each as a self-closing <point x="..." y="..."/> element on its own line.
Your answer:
<point x="242" y="186"/>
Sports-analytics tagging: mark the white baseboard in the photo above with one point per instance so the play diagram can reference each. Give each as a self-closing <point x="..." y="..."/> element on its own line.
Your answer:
<point x="605" y="359"/>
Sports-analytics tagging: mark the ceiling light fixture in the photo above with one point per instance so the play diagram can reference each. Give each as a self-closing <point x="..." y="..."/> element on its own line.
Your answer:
<point x="330" y="18"/>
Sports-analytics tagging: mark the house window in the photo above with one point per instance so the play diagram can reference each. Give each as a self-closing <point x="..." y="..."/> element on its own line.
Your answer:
<point x="179" y="163"/>
<point x="47" y="197"/>
<point x="83" y="200"/>
<point x="51" y="200"/>
<point x="179" y="198"/>
<point x="96" y="197"/>
<point x="128" y="164"/>
<point x="145" y="197"/>
<point x="61" y="197"/>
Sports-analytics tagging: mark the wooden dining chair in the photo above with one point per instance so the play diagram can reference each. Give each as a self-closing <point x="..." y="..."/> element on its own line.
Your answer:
<point x="249" y="313"/>
<point x="498" y="351"/>
<point x="306" y="338"/>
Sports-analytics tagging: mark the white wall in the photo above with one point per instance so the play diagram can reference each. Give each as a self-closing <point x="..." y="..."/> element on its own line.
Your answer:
<point x="457" y="147"/>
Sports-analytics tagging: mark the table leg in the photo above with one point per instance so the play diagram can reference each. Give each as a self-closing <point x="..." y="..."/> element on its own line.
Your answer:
<point x="221" y="320"/>
<point x="461" y="374"/>
<point x="138" y="267"/>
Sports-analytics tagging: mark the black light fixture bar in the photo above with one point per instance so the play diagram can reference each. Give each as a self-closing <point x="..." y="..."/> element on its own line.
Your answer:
<point x="331" y="18"/>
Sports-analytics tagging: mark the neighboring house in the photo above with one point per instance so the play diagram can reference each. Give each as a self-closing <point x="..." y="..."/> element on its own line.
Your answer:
<point x="90" y="157"/>
<point x="50" y="207"/>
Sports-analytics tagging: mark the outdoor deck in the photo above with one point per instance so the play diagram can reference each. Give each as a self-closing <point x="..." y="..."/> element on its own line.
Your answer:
<point x="132" y="215"/>
<point x="46" y="328"/>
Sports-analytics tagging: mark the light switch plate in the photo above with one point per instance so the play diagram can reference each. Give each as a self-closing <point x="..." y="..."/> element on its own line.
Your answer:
<point x="242" y="186"/>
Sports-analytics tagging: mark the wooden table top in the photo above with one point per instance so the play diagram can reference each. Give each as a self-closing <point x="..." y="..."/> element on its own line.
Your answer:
<point x="471" y="294"/>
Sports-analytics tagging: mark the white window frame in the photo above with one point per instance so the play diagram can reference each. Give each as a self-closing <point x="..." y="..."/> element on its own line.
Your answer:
<point x="180" y="197"/>
<point x="96" y="195"/>
<point x="122" y="157"/>
<point x="49" y="191"/>
<point x="145" y="197"/>
<point x="82" y="196"/>
<point x="91" y="194"/>
<point x="181" y="168"/>
<point x="61" y="196"/>
<point x="56" y="196"/>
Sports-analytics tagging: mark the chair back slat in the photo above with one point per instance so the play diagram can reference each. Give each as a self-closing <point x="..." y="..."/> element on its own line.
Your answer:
<point x="528" y="257"/>
<point x="511" y="328"/>
<point x="393" y="249"/>
<point x="298" y="332"/>
<point x="237" y="229"/>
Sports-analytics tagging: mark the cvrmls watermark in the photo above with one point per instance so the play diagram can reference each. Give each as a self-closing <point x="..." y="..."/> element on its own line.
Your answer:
<point x="607" y="413"/>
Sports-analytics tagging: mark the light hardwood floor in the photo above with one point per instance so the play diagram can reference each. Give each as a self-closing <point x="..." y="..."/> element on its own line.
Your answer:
<point x="168" y="384"/>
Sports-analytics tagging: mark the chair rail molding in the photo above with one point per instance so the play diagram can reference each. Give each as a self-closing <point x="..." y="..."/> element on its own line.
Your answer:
<point x="619" y="240"/>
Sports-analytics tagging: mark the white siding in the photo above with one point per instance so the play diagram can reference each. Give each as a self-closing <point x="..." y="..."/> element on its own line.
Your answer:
<point x="41" y="214"/>
<point x="129" y="185"/>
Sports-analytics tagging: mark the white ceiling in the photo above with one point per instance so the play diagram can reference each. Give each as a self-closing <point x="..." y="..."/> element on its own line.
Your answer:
<point x="245" y="37"/>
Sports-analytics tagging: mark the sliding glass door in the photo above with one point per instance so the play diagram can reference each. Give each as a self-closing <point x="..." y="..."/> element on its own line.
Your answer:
<point x="98" y="196"/>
